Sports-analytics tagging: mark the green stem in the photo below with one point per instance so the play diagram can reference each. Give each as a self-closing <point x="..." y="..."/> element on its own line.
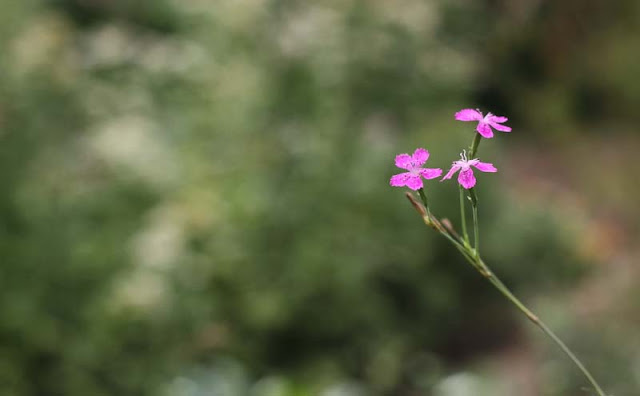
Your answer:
<point x="474" y="146"/>
<point x="423" y="197"/>
<point x="476" y="232"/>
<point x="463" y="217"/>
<point x="495" y="281"/>
<point x="486" y="272"/>
<point x="473" y="257"/>
<point x="573" y="357"/>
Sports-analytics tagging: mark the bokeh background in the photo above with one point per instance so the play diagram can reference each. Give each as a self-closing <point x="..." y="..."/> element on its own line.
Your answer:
<point x="195" y="197"/>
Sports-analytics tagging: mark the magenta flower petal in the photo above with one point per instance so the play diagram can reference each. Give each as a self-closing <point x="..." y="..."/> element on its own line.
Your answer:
<point x="484" y="166"/>
<point x="413" y="163"/>
<point x="498" y="119"/>
<point x="466" y="178"/>
<point x="468" y="115"/>
<point x="430" y="173"/>
<point x="414" y="182"/>
<point x="400" y="180"/>
<point x="500" y="127"/>
<point x="485" y="123"/>
<point x="456" y="167"/>
<point x="484" y="129"/>
<point x="403" y="161"/>
<point x="420" y="156"/>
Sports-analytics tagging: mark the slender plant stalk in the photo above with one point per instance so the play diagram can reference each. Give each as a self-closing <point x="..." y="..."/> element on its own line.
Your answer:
<point x="472" y="255"/>
<point x="474" y="145"/>
<point x="476" y="233"/>
<point x="502" y="288"/>
<point x="463" y="217"/>
<point x="435" y="223"/>
<point x="497" y="283"/>
<point x="423" y="196"/>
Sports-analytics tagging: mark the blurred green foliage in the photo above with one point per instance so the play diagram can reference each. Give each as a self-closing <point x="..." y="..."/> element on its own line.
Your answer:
<point x="195" y="193"/>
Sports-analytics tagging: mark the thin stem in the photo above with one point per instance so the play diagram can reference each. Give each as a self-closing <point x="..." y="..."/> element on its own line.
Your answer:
<point x="573" y="357"/>
<point x="486" y="272"/>
<point x="463" y="217"/>
<point x="474" y="146"/>
<point x="456" y="243"/>
<point x="473" y="257"/>
<point x="434" y="223"/>
<point x="495" y="281"/>
<point x="476" y="232"/>
<point x="423" y="196"/>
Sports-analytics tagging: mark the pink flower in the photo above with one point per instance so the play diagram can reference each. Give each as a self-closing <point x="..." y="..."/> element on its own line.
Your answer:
<point x="413" y="163"/>
<point x="466" y="177"/>
<point x="484" y="123"/>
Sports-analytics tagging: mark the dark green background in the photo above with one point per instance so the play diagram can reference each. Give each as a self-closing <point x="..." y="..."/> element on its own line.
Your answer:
<point x="195" y="196"/>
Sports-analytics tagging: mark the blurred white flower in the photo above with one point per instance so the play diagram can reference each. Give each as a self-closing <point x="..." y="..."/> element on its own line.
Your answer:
<point x="133" y="144"/>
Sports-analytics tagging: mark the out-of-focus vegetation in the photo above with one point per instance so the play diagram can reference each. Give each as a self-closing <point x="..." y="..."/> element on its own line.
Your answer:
<point x="195" y="196"/>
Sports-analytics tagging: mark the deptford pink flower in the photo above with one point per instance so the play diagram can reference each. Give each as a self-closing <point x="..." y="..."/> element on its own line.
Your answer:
<point x="485" y="123"/>
<point x="413" y="163"/>
<point x="466" y="177"/>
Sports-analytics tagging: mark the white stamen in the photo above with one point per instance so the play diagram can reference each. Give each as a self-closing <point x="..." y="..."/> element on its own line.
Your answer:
<point x="463" y="155"/>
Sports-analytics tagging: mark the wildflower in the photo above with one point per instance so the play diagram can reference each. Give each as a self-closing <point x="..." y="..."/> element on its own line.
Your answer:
<point x="466" y="177"/>
<point x="413" y="163"/>
<point x="484" y="123"/>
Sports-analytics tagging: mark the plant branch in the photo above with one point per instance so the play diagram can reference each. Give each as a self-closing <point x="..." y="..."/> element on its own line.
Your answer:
<point x="497" y="283"/>
<point x="474" y="145"/>
<point x="473" y="257"/>
<point x="463" y="217"/>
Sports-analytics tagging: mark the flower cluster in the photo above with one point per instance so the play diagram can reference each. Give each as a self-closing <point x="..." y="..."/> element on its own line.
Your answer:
<point x="413" y="163"/>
